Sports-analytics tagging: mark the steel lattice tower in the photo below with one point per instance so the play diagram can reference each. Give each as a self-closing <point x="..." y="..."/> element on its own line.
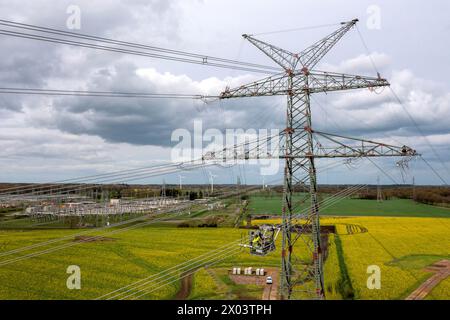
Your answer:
<point x="303" y="270"/>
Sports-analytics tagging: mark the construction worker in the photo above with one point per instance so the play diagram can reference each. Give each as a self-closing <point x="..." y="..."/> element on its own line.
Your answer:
<point x="256" y="242"/>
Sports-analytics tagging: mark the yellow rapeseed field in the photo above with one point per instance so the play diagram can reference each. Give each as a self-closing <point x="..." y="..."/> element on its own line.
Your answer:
<point x="400" y="247"/>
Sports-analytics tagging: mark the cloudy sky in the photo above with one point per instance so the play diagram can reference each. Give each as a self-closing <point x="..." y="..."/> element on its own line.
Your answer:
<point x="48" y="138"/>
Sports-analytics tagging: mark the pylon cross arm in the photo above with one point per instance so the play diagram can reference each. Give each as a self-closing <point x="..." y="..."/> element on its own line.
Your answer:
<point x="336" y="146"/>
<point x="274" y="85"/>
<point x="303" y="82"/>
<point x="320" y="81"/>
<point x="350" y="147"/>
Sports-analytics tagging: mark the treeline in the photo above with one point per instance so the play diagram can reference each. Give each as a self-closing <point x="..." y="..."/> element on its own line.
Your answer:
<point x="426" y="195"/>
<point x="422" y="194"/>
<point x="144" y="193"/>
<point x="435" y="197"/>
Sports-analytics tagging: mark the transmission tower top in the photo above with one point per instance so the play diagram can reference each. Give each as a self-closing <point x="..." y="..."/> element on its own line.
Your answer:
<point x="301" y="148"/>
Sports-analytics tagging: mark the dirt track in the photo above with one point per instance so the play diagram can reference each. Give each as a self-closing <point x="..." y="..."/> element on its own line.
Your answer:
<point x="186" y="287"/>
<point x="271" y="290"/>
<point x="441" y="271"/>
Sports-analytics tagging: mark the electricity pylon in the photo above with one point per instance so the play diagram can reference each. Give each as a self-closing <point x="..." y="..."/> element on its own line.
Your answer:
<point x="379" y="193"/>
<point x="304" y="271"/>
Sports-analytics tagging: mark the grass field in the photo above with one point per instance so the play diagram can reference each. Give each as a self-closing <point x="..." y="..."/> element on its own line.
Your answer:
<point x="355" y="207"/>
<point x="402" y="247"/>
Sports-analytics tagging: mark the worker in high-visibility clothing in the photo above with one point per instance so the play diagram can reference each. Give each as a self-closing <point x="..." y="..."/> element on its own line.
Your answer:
<point x="256" y="241"/>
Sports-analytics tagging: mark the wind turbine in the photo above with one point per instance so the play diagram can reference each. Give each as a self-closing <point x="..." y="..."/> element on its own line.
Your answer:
<point x="180" y="179"/>
<point x="211" y="180"/>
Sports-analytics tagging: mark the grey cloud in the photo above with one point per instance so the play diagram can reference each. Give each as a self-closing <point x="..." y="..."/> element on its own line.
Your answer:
<point x="144" y="123"/>
<point x="151" y="121"/>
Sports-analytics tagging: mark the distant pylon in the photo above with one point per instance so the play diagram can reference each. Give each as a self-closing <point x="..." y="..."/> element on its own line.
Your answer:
<point x="379" y="194"/>
<point x="163" y="191"/>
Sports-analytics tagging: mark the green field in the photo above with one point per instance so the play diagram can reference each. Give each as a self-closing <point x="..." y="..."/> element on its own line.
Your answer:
<point x="354" y="207"/>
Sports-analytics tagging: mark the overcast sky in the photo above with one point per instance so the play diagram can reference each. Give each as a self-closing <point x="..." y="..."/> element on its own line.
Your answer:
<point x="48" y="139"/>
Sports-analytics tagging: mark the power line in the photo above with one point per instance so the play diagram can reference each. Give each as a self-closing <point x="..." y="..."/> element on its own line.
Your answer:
<point x="367" y="50"/>
<point x="128" y="51"/>
<point x="105" y="94"/>
<point x="124" y="47"/>
<point x="399" y="101"/>
<point x="129" y="173"/>
<point x="420" y="131"/>
<point x="65" y="189"/>
<point x="128" y="221"/>
<point x="71" y="244"/>
<point x="434" y="171"/>
<point x="144" y="291"/>
<point x="225" y="249"/>
<point x="18" y="250"/>
<point x="295" y="29"/>
<point x="94" y="237"/>
<point x="13" y="24"/>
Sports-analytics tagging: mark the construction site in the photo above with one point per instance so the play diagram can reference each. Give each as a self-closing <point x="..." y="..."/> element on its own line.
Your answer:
<point x="211" y="226"/>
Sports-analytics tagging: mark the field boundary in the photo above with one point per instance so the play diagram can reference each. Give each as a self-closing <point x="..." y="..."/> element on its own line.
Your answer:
<point x="344" y="284"/>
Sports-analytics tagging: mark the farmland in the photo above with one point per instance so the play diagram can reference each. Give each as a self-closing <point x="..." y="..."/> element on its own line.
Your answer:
<point x="355" y="207"/>
<point x="401" y="247"/>
<point x="108" y="265"/>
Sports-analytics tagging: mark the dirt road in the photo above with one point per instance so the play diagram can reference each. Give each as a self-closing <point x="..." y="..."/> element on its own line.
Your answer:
<point x="441" y="271"/>
<point x="186" y="287"/>
<point x="270" y="292"/>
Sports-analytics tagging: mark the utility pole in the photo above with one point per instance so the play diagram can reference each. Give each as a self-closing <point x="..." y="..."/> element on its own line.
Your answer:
<point x="414" y="188"/>
<point x="297" y="81"/>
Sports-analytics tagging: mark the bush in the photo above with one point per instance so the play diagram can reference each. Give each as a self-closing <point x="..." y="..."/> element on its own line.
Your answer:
<point x="183" y="225"/>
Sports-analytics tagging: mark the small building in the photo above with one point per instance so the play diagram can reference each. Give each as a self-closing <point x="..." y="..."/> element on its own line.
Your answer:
<point x="114" y="201"/>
